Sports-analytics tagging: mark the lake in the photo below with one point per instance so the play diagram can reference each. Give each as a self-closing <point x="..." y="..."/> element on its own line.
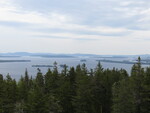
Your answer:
<point x="16" y="69"/>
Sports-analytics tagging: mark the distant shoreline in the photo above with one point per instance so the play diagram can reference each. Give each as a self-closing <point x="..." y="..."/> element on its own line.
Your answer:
<point x="4" y="61"/>
<point x="122" y="62"/>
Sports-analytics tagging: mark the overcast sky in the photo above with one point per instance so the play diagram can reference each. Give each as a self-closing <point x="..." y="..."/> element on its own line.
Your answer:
<point x="75" y="26"/>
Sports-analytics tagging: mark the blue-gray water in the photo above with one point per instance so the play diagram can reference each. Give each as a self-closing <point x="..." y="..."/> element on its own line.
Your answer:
<point x="16" y="69"/>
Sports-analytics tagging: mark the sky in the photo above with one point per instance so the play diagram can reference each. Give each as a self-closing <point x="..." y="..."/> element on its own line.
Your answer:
<point x="118" y="27"/>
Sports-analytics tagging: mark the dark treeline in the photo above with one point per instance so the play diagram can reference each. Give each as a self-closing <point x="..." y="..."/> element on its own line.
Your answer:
<point x="78" y="90"/>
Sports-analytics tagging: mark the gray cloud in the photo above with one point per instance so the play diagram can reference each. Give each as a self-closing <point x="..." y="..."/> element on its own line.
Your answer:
<point x="95" y="22"/>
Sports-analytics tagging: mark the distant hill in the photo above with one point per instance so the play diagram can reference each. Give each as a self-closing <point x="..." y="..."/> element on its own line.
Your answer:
<point x="19" y="54"/>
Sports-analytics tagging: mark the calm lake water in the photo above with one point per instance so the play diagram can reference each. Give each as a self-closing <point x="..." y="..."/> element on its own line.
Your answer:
<point x="16" y="69"/>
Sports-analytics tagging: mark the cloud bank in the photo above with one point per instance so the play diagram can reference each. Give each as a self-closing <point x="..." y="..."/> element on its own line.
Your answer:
<point x="81" y="26"/>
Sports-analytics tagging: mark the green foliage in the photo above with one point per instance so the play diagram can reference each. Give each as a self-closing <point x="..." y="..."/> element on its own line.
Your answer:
<point x="78" y="90"/>
<point x="131" y="95"/>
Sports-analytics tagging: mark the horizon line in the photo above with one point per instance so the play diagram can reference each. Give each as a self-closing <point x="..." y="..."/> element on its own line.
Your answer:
<point x="73" y="53"/>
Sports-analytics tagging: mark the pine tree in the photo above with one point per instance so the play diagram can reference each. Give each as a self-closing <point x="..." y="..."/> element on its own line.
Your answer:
<point x="1" y="93"/>
<point x="68" y="91"/>
<point x="10" y="93"/>
<point x="122" y="97"/>
<point x="137" y="75"/>
<point x="145" y="107"/>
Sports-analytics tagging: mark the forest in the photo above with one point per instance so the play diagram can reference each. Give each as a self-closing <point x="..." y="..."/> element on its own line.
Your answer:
<point x="78" y="90"/>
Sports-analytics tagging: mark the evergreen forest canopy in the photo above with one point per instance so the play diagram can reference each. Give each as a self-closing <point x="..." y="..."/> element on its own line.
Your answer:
<point x="78" y="90"/>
